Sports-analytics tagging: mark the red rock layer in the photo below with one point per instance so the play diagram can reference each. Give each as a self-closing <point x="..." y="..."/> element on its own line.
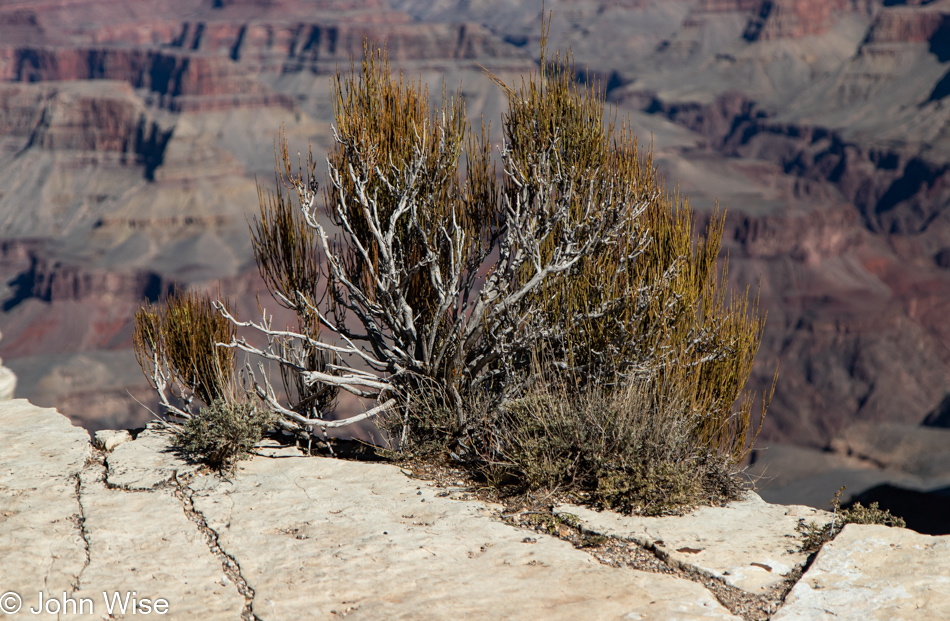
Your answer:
<point x="64" y="282"/>
<point x="781" y="19"/>
<point x="904" y="25"/>
<point x="302" y="43"/>
<point x="793" y="19"/>
<point x="206" y="56"/>
<point x="90" y="122"/>
<point x="727" y="6"/>
<point x="166" y="72"/>
<point x="20" y="107"/>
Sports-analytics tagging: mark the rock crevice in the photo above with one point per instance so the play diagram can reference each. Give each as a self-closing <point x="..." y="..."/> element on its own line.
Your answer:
<point x="229" y="564"/>
<point x="81" y="525"/>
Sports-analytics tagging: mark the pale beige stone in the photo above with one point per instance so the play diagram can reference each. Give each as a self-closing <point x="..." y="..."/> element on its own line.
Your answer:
<point x="147" y="463"/>
<point x="874" y="573"/>
<point x="7" y="381"/>
<point x="324" y="538"/>
<point x="7" y="384"/>
<point x="143" y="542"/>
<point x="107" y="439"/>
<point x="749" y="544"/>
<point x="315" y="535"/>
<point x="41" y="455"/>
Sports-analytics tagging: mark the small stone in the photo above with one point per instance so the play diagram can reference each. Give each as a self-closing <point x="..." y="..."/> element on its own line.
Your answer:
<point x="108" y="439"/>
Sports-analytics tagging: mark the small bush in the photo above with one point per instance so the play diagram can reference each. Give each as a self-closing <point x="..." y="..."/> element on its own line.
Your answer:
<point x="816" y="535"/>
<point x="222" y="433"/>
<point x="632" y="449"/>
<point x="859" y="514"/>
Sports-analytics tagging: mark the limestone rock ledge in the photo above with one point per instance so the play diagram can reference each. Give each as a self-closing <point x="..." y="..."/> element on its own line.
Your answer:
<point x="748" y="544"/>
<point x="7" y="383"/>
<point x="296" y="537"/>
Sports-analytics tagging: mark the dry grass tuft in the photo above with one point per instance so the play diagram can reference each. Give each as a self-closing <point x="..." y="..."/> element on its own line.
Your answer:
<point x="182" y="333"/>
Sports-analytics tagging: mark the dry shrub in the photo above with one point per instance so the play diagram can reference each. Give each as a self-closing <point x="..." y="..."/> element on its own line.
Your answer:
<point x="630" y="392"/>
<point x="222" y="433"/>
<point x="815" y="535"/>
<point x="634" y="449"/>
<point x="174" y="344"/>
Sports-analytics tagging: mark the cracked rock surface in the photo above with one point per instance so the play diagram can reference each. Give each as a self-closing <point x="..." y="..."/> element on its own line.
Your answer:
<point x="874" y="572"/>
<point x="318" y="537"/>
<point x="748" y="544"/>
<point x="295" y="537"/>
<point x="143" y="542"/>
<point x="41" y="543"/>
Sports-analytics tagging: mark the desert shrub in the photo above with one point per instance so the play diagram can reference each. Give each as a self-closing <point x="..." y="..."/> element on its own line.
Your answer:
<point x="623" y="377"/>
<point x="544" y="316"/>
<point x="177" y="345"/>
<point x="222" y="433"/>
<point x="872" y="514"/>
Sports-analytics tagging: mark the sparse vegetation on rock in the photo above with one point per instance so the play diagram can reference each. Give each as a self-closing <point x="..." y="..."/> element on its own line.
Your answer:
<point x="222" y="433"/>
<point x="816" y="535"/>
<point x="541" y="315"/>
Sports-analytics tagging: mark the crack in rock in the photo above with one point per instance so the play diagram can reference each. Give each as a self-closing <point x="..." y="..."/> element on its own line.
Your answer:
<point x="107" y="470"/>
<point x="81" y="525"/>
<point x="616" y="551"/>
<point x="125" y="488"/>
<point x="228" y="563"/>
<point x="738" y="601"/>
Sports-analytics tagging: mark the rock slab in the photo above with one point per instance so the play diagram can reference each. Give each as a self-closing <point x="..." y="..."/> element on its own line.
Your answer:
<point x="874" y="572"/>
<point x="748" y="544"/>
<point x="320" y="537"/>
<point x="41" y="542"/>
<point x="290" y="537"/>
<point x="287" y="536"/>
<point x="7" y="383"/>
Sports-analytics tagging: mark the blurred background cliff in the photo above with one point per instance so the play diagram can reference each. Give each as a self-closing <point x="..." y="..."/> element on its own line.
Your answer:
<point x="131" y="133"/>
